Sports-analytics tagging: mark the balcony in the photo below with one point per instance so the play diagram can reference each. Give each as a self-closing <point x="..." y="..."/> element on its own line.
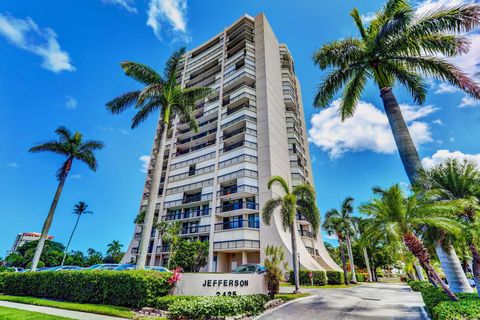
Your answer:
<point x="237" y="224"/>
<point x="237" y="208"/>
<point x="238" y="174"/>
<point x="307" y="234"/>
<point x="187" y="214"/>
<point x="243" y="190"/>
<point x="196" y="137"/>
<point x="191" y="173"/>
<point x="239" y="119"/>
<point x="195" y="148"/>
<point x="195" y="230"/>
<point x="237" y="159"/>
<point x="188" y="200"/>
<point x="236" y="244"/>
<point x="185" y="163"/>
<point x="239" y="144"/>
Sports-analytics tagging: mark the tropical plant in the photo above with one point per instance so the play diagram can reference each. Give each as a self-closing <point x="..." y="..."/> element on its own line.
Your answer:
<point x="190" y="256"/>
<point x="166" y="95"/>
<point x="345" y="214"/>
<point x="170" y="235"/>
<point x="363" y="241"/>
<point x="52" y="254"/>
<point x="336" y="226"/>
<point x="93" y="257"/>
<point x="74" y="147"/>
<point x="299" y="199"/>
<point x="79" y="210"/>
<point x="457" y="180"/>
<point x="275" y="264"/>
<point x="114" y="251"/>
<point x="398" y="45"/>
<point x="402" y="217"/>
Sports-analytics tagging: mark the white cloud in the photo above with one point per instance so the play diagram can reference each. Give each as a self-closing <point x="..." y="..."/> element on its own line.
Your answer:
<point x="172" y="12"/>
<point x="27" y="35"/>
<point x="423" y="7"/>
<point x="145" y="162"/>
<point x="438" y="121"/>
<point x="368" y="129"/>
<point x="445" y="88"/>
<point x="468" y="101"/>
<point x="123" y="131"/>
<point x="366" y="18"/>
<point x="12" y="164"/>
<point x="75" y="176"/>
<point x="71" y="102"/>
<point x="470" y="61"/>
<point x="441" y="155"/>
<point x="126" y="4"/>
<point x="331" y="236"/>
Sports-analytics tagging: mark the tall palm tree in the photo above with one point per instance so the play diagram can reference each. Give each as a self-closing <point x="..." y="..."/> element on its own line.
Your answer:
<point x="114" y="250"/>
<point x="345" y="214"/>
<point x="400" y="46"/>
<point x="300" y="199"/>
<point x="79" y="210"/>
<point x="361" y="225"/>
<point x="73" y="147"/>
<point x="454" y="180"/>
<point x="336" y="226"/>
<point x="402" y="217"/>
<point x="170" y="235"/>
<point x="166" y="95"/>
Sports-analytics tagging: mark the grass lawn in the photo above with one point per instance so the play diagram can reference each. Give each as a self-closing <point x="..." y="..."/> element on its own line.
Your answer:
<point x="291" y="296"/>
<point x="16" y="314"/>
<point x="328" y="286"/>
<point x="114" y="311"/>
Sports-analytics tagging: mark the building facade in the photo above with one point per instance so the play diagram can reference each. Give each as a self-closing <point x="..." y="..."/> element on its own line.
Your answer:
<point x="25" y="237"/>
<point x="252" y="127"/>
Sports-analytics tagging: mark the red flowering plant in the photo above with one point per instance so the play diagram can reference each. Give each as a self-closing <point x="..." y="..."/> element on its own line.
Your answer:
<point x="176" y="276"/>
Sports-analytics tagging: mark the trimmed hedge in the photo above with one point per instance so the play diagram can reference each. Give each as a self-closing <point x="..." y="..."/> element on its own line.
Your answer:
<point x="221" y="306"/>
<point x="418" y="286"/>
<point x="335" y="277"/>
<point x="2" y="280"/>
<point x="361" y="277"/>
<point x="319" y="278"/>
<point x="127" y="288"/>
<point x="440" y="307"/>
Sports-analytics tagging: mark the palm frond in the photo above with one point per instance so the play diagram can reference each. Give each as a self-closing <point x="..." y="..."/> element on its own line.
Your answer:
<point x="172" y="65"/>
<point x="415" y="85"/>
<point x="358" y="21"/>
<point x="351" y="94"/>
<point x="150" y="92"/>
<point x="331" y="84"/>
<point x="51" y="146"/>
<point x="269" y="209"/>
<point x="123" y="102"/>
<point x="280" y="181"/>
<point x="339" y="54"/>
<point x="91" y="145"/>
<point x="63" y="133"/>
<point x="88" y="158"/>
<point x="142" y="114"/>
<point x="141" y="72"/>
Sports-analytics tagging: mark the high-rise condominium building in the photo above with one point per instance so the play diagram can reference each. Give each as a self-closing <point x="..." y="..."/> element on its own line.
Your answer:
<point x="214" y="181"/>
<point x="26" y="237"/>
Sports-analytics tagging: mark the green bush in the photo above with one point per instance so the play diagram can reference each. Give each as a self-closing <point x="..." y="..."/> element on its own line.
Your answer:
<point x="319" y="278"/>
<point x="127" y="288"/>
<point x="2" y="280"/>
<point x="221" y="306"/>
<point x="433" y="297"/>
<point x="418" y="286"/>
<point x="164" y="303"/>
<point x="335" y="277"/>
<point x="468" y="309"/>
<point x="361" y="277"/>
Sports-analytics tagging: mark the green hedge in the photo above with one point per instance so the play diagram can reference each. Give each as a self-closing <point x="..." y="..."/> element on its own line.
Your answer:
<point x="127" y="288"/>
<point x="335" y="277"/>
<point x="2" y="280"/>
<point x="440" y="307"/>
<point x="361" y="277"/>
<point x="319" y="278"/>
<point x="221" y="306"/>
<point x="418" y="286"/>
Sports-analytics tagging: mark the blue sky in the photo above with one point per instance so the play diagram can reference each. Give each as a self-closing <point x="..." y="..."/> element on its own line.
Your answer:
<point x="59" y="63"/>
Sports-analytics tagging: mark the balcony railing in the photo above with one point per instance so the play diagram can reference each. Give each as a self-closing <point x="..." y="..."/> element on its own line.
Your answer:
<point x="236" y="120"/>
<point x="237" y="206"/>
<point x="195" y="185"/>
<point x="195" y="148"/>
<point x="238" y="174"/>
<point x="305" y="233"/>
<point x="237" y="224"/>
<point x="236" y="244"/>
<point x="239" y="144"/>
<point x="191" y="173"/>
<point x="237" y="159"/>
<point x="192" y="161"/>
<point x="198" y="136"/>
<point x="186" y="200"/>
<point x="196" y="229"/>
<point x="239" y="131"/>
<point x="237" y="189"/>
<point x="243" y="106"/>
<point x="187" y="214"/>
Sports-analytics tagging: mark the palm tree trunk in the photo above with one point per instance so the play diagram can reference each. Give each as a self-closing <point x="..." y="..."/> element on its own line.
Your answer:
<point x="417" y="248"/>
<point x="418" y="271"/>
<point x="457" y="280"/>
<point x="344" y="262"/>
<point x="475" y="266"/>
<point x="152" y="197"/>
<point x="49" y="219"/>
<point x="429" y="276"/>
<point x="69" y="240"/>
<point x="403" y="140"/>
<point x="350" y="258"/>
<point x="295" y="257"/>
<point x="367" y="263"/>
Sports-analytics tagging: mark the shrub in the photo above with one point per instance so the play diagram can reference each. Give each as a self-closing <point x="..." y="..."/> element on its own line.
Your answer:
<point x="221" y="306"/>
<point x="126" y="288"/>
<point x="434" y="296"/>
<point x="464" y="309"/>
<point x="2" y="280"/>
<point x="319" y="278"/>
<point x="361" y="277"/>
<point x="335" y="277"/>
<point x="164" y="303"/>
<point x="418" y="286"/>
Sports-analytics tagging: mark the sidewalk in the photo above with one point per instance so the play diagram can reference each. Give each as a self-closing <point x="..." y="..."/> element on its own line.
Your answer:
<point x="58" y="312"/>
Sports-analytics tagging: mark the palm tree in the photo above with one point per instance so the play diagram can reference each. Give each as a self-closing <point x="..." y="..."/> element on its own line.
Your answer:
<point x="166" y="95"/>
<point x="274" y="264"/>
<point x="456" y="180"/>
<point x="170" y="234"/>
<point x="114" y="250"/>
<point x="336" y="226"/>
<point x="345" y="214"/>
<point x="400" y="216"/>
<point x="398" y="46"/>
<point x="299" y="199"/>
<point x="79" y="210"/>
<point x="74" y="147"/>
<point x="361" y="225"/>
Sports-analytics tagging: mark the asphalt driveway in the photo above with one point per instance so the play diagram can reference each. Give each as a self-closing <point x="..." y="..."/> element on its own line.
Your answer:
<point x="370" y="301"/>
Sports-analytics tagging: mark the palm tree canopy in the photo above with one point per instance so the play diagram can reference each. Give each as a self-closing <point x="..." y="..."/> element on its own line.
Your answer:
<point x="115" y="247"/>
<point x="164" y="94"/>
<point x="81" y="208"/>
<point x="397" y="45"/>
<point x="345" y="215"/>
<point x="397" y="215"/>
<point x="73" y="146"/>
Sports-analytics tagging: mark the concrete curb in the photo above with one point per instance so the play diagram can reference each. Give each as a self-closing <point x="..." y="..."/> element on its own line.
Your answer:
<point x="425" y="314"/>
<point x="281" y="306"/>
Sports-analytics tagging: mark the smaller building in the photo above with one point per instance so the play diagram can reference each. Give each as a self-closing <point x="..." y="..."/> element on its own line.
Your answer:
<point x="26" y="237"/>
